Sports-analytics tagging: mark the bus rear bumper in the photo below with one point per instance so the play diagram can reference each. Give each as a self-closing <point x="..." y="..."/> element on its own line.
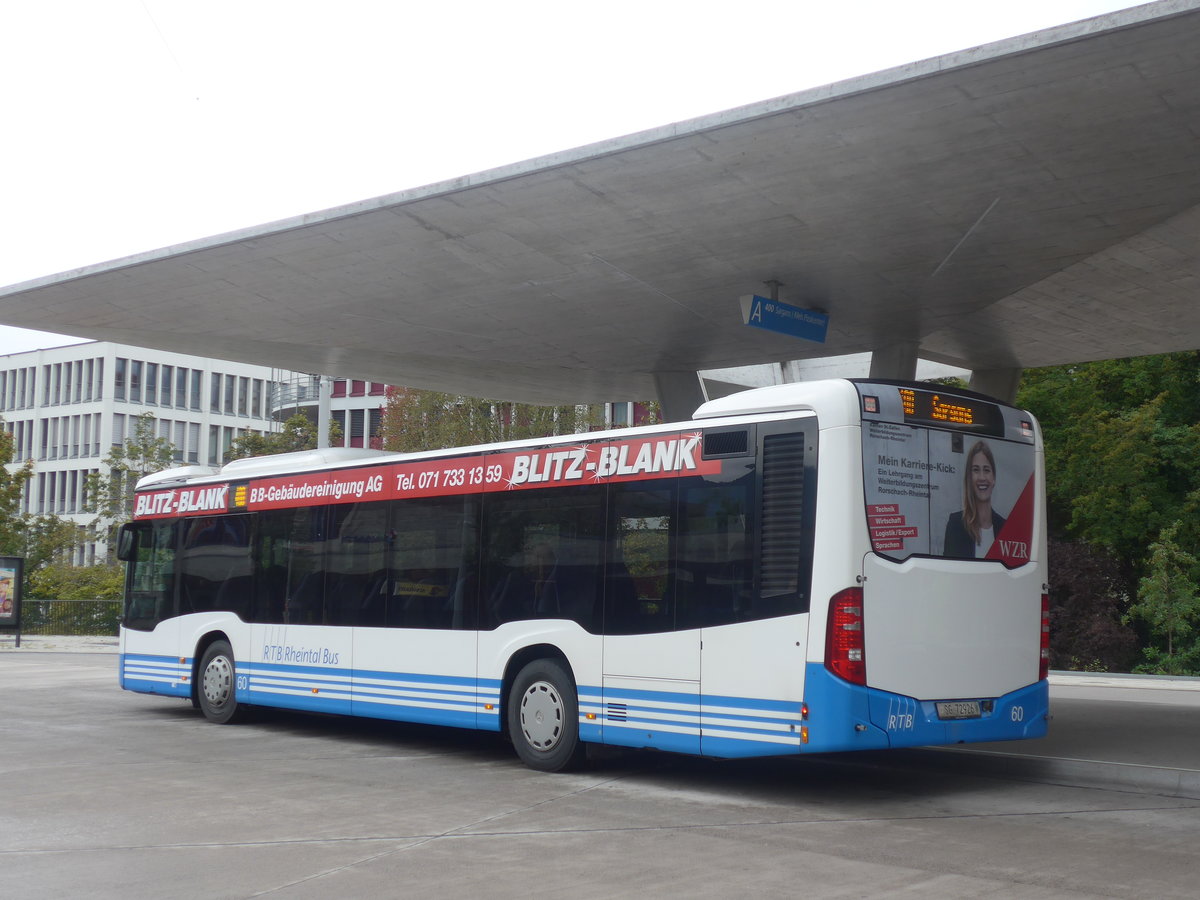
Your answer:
<point x="843" y="716"/>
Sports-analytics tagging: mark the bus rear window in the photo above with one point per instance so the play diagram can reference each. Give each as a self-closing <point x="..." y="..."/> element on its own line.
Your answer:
<point x="949" y="491"/>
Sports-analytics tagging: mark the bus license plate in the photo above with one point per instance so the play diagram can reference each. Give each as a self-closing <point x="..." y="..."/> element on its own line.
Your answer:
<point x="958" y="709"/>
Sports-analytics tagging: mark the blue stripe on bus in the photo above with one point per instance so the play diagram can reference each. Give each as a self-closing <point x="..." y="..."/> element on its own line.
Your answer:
<point x="617" y="694"/>
<point x="458" y="701"/>
<point x="466" y="681"/>
<point x="735" y="748"/>
<point x="459" y="718"/>
<point x="791" y="707"/>
<point x="147" y="673"/>
<point x="709" y="724"/>
<point x="305" y="702"/>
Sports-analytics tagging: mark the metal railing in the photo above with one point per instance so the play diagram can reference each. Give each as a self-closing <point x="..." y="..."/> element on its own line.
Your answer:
<point x="70" y="617"/>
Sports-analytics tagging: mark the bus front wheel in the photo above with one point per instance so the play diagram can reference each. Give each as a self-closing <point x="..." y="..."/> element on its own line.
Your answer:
<point x="543" y="717"/>
<point x="215" y="690"/>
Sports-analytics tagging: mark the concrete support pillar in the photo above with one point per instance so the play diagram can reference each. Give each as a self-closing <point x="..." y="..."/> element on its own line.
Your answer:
<point x="324" y="389"/>
<point x="898" y="361"/>
<point x="679" y="394"/>
<point x="999" y="383"/>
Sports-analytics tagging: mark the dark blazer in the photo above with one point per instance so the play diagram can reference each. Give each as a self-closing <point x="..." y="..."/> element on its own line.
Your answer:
<point x="958" y="540"/>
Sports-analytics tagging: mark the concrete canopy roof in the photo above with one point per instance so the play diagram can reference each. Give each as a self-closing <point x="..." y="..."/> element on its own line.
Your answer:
<point x="1025" y="203"/>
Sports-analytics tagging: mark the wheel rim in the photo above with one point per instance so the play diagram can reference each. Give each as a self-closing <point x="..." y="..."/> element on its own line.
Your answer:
<point x="542" y="716"/>
<point x="218" y="681"/>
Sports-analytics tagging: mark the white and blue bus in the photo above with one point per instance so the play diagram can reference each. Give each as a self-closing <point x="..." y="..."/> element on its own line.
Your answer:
<point x="836" y="565"/>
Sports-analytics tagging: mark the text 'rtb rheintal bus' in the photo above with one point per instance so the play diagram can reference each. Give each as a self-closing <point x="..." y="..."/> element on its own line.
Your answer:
<point x="837" y="565"/>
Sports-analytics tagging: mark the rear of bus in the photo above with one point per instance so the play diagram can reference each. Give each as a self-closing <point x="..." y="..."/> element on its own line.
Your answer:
<point x="936" y="626"/>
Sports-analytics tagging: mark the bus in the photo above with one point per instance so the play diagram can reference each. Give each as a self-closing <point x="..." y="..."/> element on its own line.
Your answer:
<point x="813" y="567"/>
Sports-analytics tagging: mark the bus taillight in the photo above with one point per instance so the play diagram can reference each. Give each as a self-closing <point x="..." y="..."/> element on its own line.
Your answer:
<point x="845" y="653"/>
<point x="1044" y="665"/>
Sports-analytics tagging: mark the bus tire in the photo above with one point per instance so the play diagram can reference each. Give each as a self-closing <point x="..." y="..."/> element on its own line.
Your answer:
<point x="215" y="685"/>
<point x="543" y="717"/>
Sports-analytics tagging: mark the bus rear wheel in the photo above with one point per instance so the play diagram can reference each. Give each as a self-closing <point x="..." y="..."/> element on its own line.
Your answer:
<point x="543" y="717"/>
<point x="215" y="690"/>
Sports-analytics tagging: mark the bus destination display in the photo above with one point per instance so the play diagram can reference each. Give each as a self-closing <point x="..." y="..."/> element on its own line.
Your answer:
<point x="928" y="408"/>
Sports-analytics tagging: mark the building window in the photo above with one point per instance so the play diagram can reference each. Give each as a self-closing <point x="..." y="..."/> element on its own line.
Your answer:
<point x="118" y="431"/>
<point x="152" y="383"/>
<point x="119" y="378"/>
<point x="168" y="383"/>
<point x="214" y="393"/>
<point x="197" y="390"/>
<point x="193" y="442"/>
<point x="256" y="407"/>
<point x="230" y="385"/>
<point x="135" y="381"/>
<point x="214" y="445"/>
<point x="243" y="397"/>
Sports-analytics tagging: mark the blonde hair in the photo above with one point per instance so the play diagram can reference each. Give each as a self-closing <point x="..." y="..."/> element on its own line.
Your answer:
<point x="970" y="507"/>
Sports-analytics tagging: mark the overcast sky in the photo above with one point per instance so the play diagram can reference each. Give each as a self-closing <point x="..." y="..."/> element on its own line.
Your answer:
<point x="131" y="125"/>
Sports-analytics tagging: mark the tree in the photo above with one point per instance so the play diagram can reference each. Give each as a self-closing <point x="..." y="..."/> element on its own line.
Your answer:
<point x="110" y="494"/>
<point x="1122" y="450"/>
<point x="1122" y="467"/>
<point x="41" y="539"/>
<point x="12" y="486"/>
<point x="298" y="433"/>
<point x="1169" y="603"/>
<point x="46" y="539"/>
<point x="416" y="420"/>
<point x="63" y="582"/>
<point x="1089" y="599"/>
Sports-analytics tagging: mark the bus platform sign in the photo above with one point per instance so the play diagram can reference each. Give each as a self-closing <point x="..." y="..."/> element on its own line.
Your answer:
<point x="772" y="315"/>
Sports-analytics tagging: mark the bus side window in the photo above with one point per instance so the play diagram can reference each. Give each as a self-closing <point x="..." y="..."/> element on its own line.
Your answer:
<point x="355" y="576"/>
<point x="215" y="565"/>
<point x="717" y="588"/>
<point x="430" y="576"/>
<point x="543" y="555"/>
<point x="642" y="582"/>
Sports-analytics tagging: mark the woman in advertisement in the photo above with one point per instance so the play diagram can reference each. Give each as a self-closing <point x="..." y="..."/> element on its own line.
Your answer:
<point x="970" y="531"/>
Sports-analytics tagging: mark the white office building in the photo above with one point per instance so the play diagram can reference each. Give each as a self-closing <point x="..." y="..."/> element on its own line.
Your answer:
<point x="66" y="407"/>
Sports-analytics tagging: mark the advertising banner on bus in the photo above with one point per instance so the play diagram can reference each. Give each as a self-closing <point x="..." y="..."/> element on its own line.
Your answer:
<point x="595" y="462"/>
<point x="946" y="493"/>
